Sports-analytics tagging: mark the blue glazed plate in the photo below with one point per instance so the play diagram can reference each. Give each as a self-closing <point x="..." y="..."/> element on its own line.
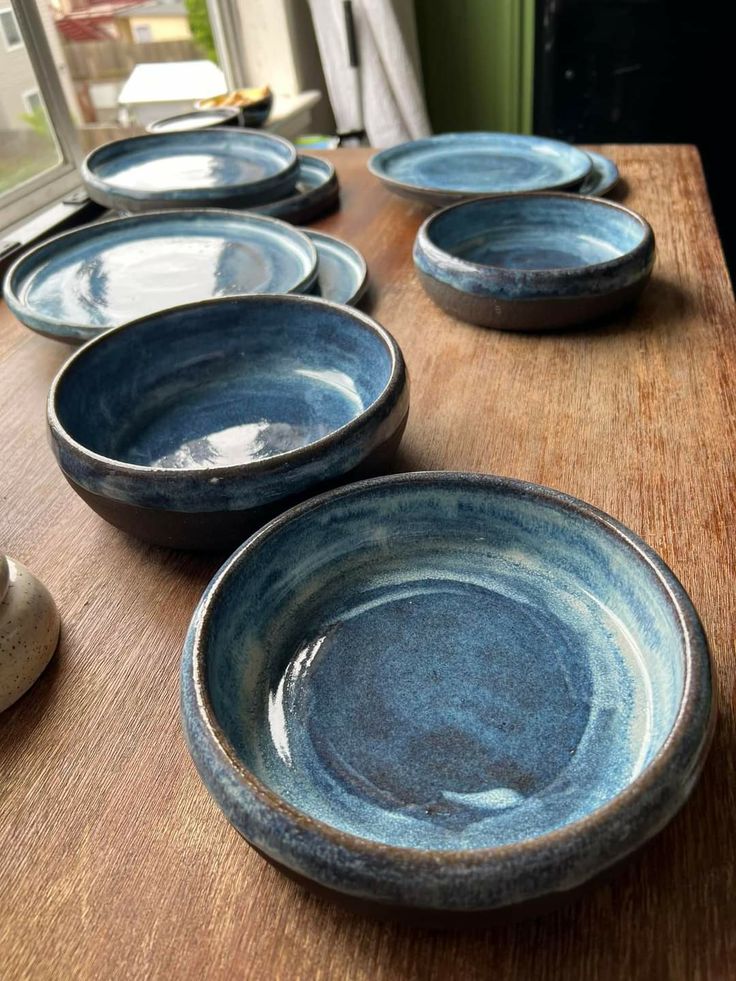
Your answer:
<point x="227" y="167"/>
<point x="603" y="177"/>
<point x="85" y="281"/>
<point x="443" y="169"/>
<point x="342" y="273"/>
<point x="316" y="192"/>
<point x="446" y="691"/>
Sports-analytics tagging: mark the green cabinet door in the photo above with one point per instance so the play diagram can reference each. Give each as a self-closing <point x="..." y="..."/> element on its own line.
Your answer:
<point x="478" y="63"/>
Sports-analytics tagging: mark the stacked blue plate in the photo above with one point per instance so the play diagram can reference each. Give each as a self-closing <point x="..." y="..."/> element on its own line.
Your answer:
<point x="445" y="169"/>
<point x="220" y="166"/>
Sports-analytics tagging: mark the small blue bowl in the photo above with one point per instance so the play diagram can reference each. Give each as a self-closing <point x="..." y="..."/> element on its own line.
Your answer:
<point x="534" y="261"/>
<point x="191" y="427"/>
<point x="441" y="695"/>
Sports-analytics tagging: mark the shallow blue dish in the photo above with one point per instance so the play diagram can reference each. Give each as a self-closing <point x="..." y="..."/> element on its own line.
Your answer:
<point x="441" y="170"/>
<point x="316" y="192"/>
<point x="603" y="177"/>
<point x="80" y="283"/>
<point x="342" y="274"/>
<point x="534" y="261"/>
<point x="221" y="167"/>
<point x="191" y="427"/>
<point x="440" y="694"/>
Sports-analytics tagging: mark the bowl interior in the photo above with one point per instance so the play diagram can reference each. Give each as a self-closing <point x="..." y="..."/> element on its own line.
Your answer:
<point x="445" y="665"/>
<point x="556" y="232"/>
<point x="222" y="383"/>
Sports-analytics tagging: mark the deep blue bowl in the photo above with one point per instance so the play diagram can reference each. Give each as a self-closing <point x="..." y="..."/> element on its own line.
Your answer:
<point x="534" y="261"/>
<point x="191" y="427"/>
<point x="446" y="693"/>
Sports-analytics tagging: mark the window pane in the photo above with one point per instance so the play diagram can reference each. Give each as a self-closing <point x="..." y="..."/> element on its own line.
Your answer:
<point x="27" y="144"/>
<point x="9" y="26"/>
<point x="125" y="62"/>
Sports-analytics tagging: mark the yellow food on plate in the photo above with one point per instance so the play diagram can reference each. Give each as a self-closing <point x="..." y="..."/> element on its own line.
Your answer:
<point x="239" y="99"/>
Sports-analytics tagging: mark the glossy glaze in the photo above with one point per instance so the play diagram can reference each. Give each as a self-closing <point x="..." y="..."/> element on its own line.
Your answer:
<point x="225" y="407"/>
<point x="533" y="261"/>
<point x="603" y="177"/>
<point x="342" y="274"/>
<point x="90" y="279"/>
<point x="29" y="630"/>
<point x="316" y="192"/>
<point x="440" y="170"/>
<point x="226" y="166"/>
<point x="197" y="119"/>
<point x="447" y="691"/>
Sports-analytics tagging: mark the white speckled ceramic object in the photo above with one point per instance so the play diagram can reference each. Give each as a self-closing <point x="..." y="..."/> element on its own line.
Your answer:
<point x="29" y="630"/>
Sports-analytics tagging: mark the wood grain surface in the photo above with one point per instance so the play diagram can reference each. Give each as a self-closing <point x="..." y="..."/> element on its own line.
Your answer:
<point x="115" y="863"/>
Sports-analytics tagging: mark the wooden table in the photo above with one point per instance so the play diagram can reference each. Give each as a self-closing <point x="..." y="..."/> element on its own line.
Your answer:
<point x="114" y="862"/>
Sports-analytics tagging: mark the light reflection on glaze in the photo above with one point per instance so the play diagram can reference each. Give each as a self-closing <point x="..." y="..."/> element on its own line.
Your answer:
<point x="110" y="280"/>
<point x="270" y="409"/>
<point x="182" y="171"/>
<point x="239" y="444"/>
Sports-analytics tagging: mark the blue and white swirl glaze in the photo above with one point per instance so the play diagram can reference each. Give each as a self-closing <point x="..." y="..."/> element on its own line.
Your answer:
<point x="89" y="279"/>
<point x="452" y="166"/>
<point x="230" y="167"/>
<point x="228" y="404"/>
<point x="444" y="664"/>
<point x="535" y="246"/>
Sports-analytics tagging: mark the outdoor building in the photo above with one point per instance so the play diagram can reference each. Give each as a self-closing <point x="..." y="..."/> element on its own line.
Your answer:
<point x="160" y="21"/>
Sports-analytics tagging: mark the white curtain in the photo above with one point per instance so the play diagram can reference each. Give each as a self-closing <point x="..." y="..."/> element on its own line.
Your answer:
<point x="384" y="94"/>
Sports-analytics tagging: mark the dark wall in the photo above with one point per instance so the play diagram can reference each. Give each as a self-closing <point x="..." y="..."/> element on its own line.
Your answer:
<point x="642" y="71"/>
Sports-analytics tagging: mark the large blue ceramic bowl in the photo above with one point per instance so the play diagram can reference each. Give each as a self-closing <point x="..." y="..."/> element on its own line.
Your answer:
<point x="446" y="693"/>
<point x="190" y="427"/>
<point x="534" y="261"/>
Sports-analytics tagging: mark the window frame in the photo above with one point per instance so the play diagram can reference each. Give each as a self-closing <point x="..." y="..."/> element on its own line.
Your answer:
<point x="8" y="46"/>
<point x="30" y="196"/>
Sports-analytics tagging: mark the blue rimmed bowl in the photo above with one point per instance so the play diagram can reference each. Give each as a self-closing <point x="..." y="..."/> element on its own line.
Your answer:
<point x="443" y="696"/>
<point x="534" y="261"/>
<point x="191" y="427"/>
<point x="225" y="167"/>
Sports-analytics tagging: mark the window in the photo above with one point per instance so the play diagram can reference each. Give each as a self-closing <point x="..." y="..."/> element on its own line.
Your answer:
<point x="33" y="103"/>
<point x="11" y="34"/>
<point x="143" y="33"/>
<point x="37" y="159"/>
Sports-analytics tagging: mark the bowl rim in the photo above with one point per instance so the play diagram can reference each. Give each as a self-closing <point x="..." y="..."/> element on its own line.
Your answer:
<point x="389" y="394"/>
<point x="357" y="295"/>
<point x="102" y="186"/>
<point x="435" y="253"/>
<point x="376" y="161"/>
<point x="222" y="114"/>
<point x="55" y="325"/>
<point x="691" y="731"/>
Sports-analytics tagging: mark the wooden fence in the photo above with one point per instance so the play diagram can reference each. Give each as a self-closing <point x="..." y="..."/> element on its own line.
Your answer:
<point x="111" y="60"/>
